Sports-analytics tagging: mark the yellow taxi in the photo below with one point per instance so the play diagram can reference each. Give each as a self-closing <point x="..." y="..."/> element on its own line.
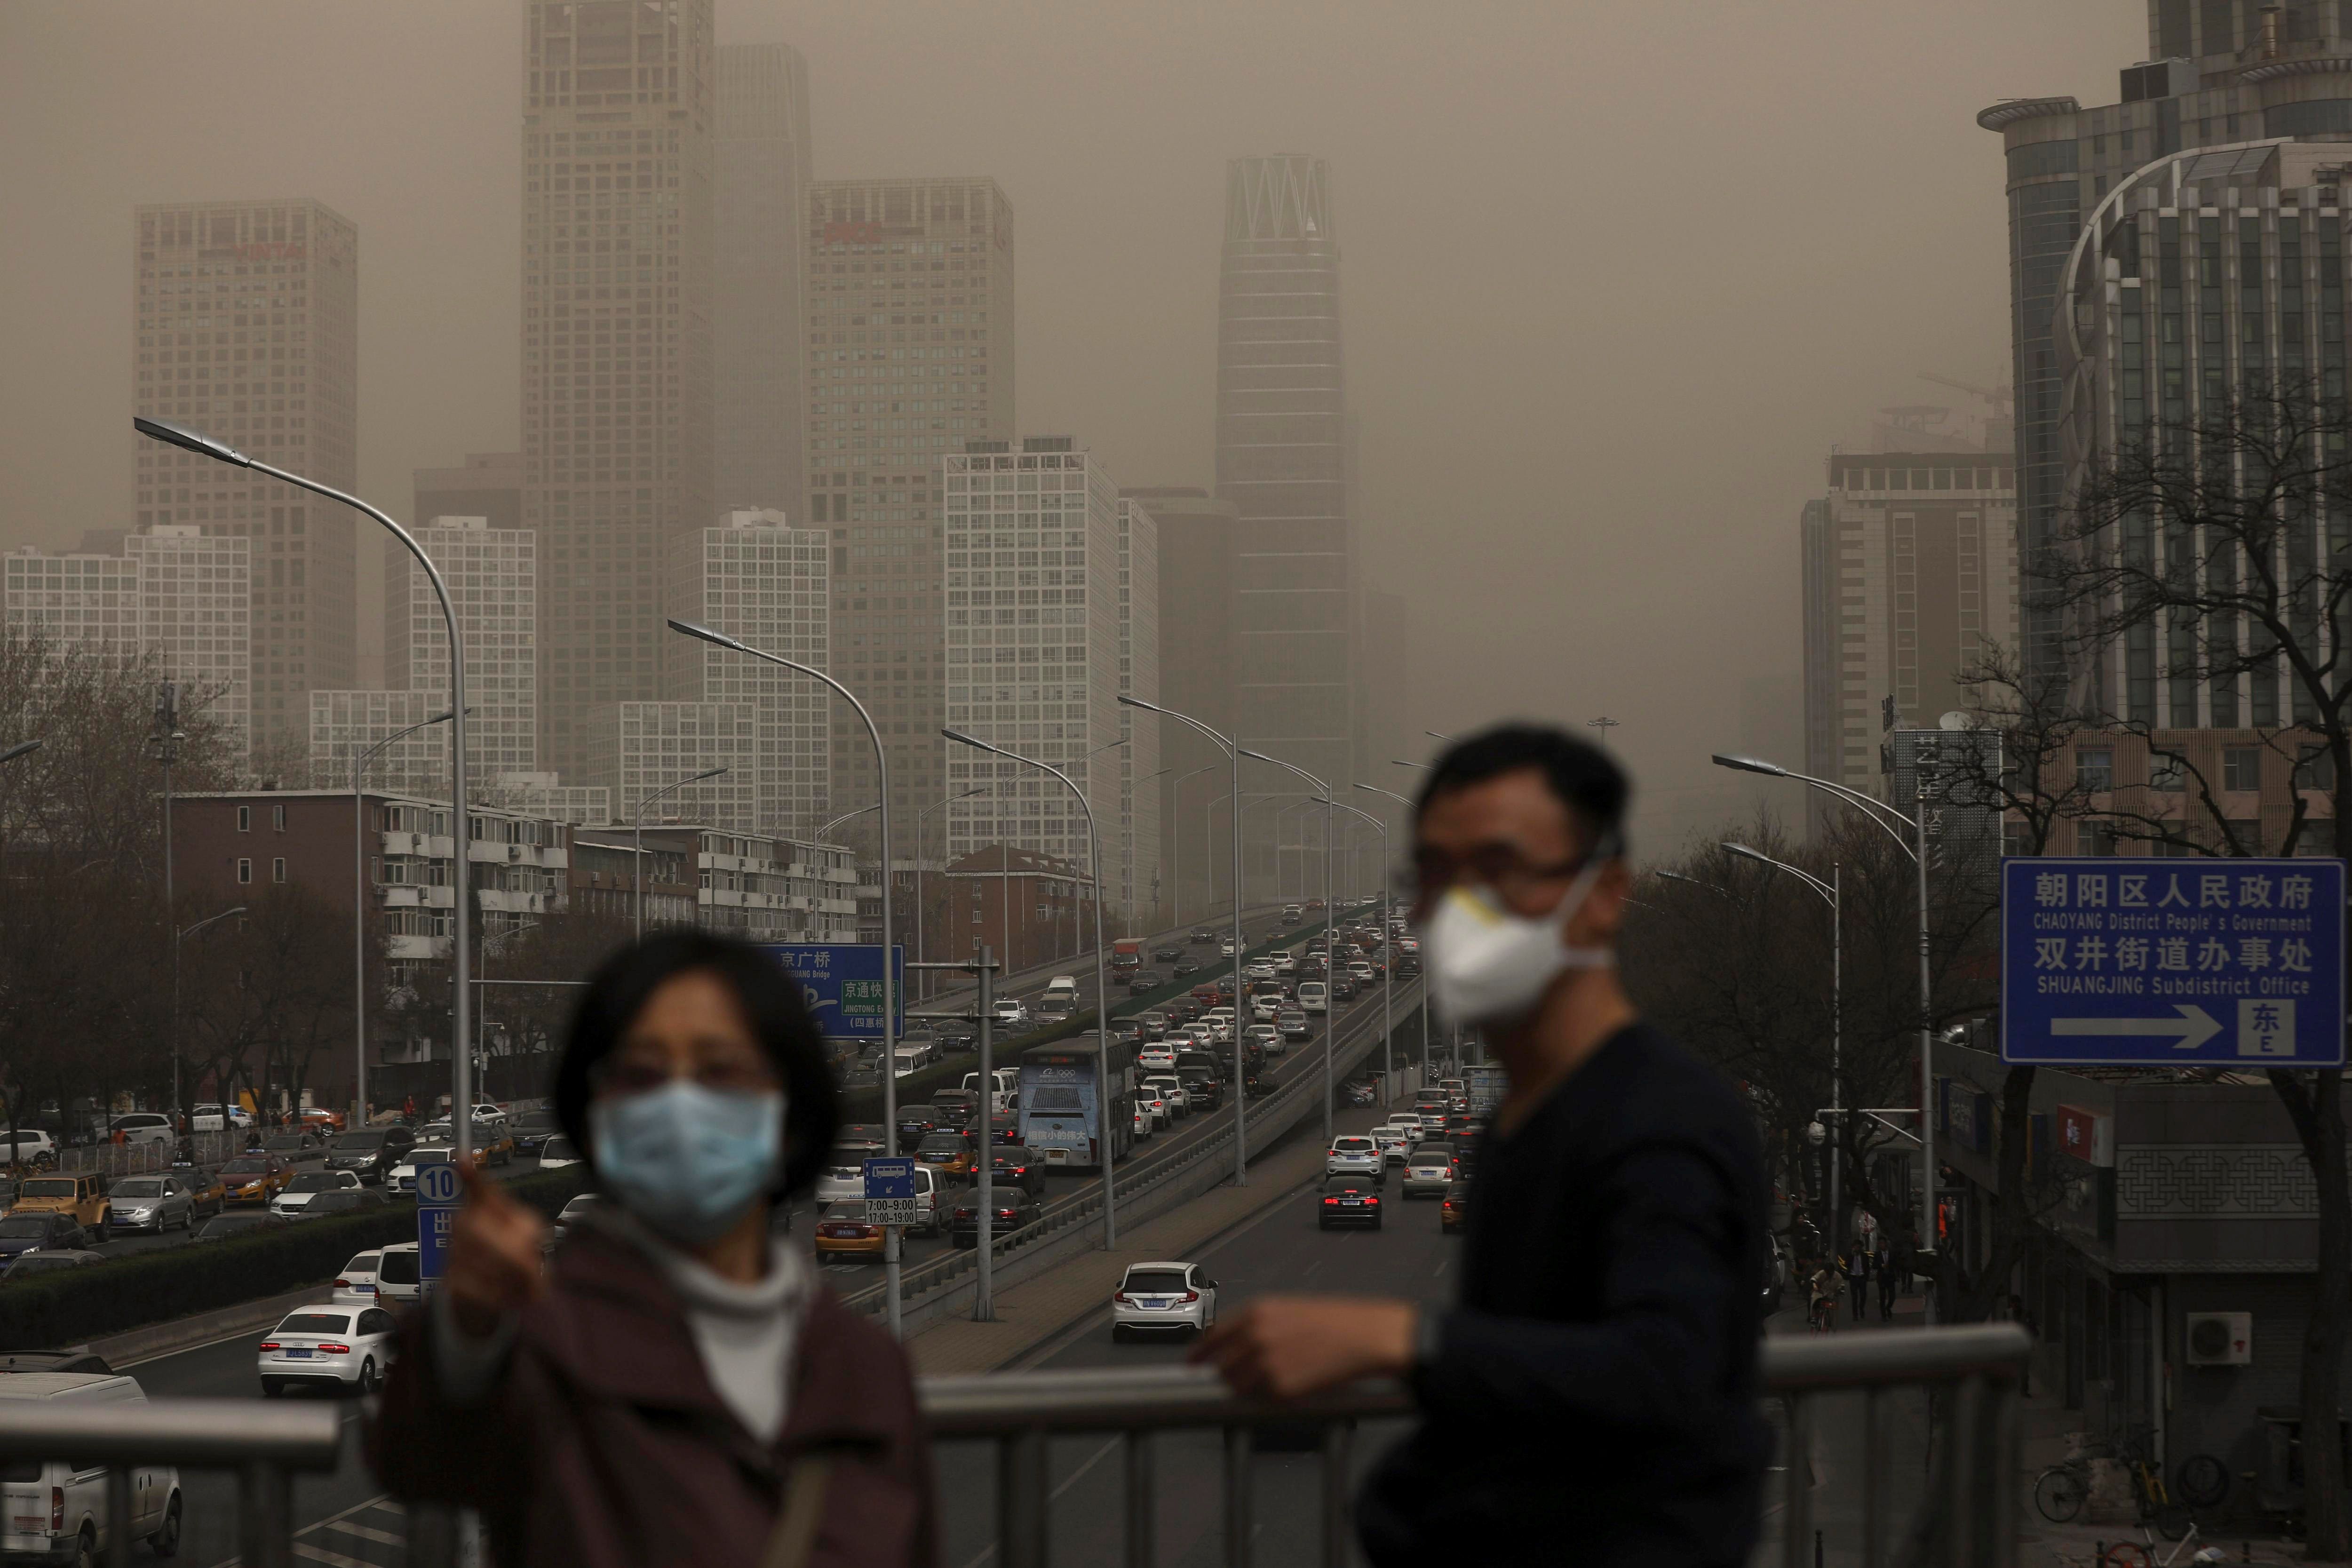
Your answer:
<point x="844" y="1232"/>
<point x="207" y="1194"/>
<point x="949" y="1154"/>
<point x="253" y="1178"/>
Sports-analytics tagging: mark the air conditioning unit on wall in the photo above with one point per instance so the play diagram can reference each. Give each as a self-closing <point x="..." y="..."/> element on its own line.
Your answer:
<point x="2220" y="1339"/>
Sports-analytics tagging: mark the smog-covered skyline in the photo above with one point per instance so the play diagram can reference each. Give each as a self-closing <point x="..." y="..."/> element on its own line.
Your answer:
<point x="1615" y="280"/>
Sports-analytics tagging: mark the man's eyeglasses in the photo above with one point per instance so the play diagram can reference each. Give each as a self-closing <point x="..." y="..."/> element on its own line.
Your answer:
<point x="1511" y="875"/>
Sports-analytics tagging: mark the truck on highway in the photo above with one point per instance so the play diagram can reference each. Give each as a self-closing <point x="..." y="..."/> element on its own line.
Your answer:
<point x="1063" y="1100"/>
<point x="1486" y="1087"/>
<point x="1127" y="953"/>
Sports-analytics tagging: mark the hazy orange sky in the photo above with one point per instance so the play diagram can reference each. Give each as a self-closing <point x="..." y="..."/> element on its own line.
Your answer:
<point x="1615" y="275"/>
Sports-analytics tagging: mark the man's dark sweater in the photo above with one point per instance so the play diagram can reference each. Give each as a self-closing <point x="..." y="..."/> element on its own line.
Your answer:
<point x="1592" y="1397"/>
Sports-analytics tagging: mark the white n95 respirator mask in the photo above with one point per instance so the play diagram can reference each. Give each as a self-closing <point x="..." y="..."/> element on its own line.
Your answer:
<point x="1489" y="964"/>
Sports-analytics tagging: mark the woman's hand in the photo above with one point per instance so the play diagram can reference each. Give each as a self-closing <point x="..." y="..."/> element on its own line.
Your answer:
<point x="494" y="1265"/>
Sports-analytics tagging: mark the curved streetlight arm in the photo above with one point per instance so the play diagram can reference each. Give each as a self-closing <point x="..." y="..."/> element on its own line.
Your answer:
<point x="18" y="749"/>
<point x="1375" y="789"/>
<point x="890" y="930"/>
<point x="1889" y="820"/>
<point x="461" y="1097"/>
<point x="638" y="854"/>
<point x="1102" y="971"/>
<point x="187" y="931"/>
<point x="1401" y="763"/>
<point x="1820" y="888"/>
<point x="1694" y="881"/>
<point x="845" y="816"/>
<point x="676" y="785"/>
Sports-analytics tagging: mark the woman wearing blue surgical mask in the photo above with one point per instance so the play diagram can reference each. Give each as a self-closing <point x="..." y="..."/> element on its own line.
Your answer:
<point x="669" y="1387"/>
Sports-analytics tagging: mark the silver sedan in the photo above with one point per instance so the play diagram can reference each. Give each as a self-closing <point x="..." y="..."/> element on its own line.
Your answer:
<point x="151" y="1202"/>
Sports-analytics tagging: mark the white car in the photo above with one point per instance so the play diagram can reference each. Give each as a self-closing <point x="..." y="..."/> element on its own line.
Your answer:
<point x="296" y="1195"/>
<point x="1429" y="1169"/>
<point x="1264" y="1009"/>
<point x="573" y="1212"/>
<point x="1164" y="1298"/>
<point x="1009" y="1014"/>
<point x="1354" y="1154"/>
<point x="399" y="1274"/>
<point x="355" y="1285"/>
<point x="1313" y="996"/>
<point x="1293" y="1025"/>
<point x="1261" y="970"/>
<point x="140" y="1127"/>
<point x="1157" y="1059"/>
<point x="1394" y="1145"/>
<point x="842" y="1178"/>
<point x="1221" y="1019"/>
<point x="557" y="1152"/>
<point x="1410" y="1121"/>
<point x="1143" y="1128"/>
<point x="56" y="1508"/>
<point x="347" y="1348"/>
<point x="215" y="1118"/>
<point x="1268" y="1038"/>
<point x="1225" y="948"/>
<point x="1170" y="1090"/>
<point x="1154" y="1102"/>
<point x="1364" y="973"/>
<point x="1285" y="964"/>
<point x="33" y="1146"/>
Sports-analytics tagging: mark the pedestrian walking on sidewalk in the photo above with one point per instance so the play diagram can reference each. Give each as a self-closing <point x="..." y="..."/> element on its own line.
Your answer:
<point x="1857" y="1281"/>
<point x="668" y="1387"/>
<point x="1595" y="1380"/>
<point x="1886" y="1272"/>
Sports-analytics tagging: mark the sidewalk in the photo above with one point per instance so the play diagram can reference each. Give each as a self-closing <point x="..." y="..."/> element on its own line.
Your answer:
<point x="1031" y="1313"/>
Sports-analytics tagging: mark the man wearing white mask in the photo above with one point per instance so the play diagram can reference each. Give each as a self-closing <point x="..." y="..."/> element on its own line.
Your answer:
<point x="1594" y="1384"/>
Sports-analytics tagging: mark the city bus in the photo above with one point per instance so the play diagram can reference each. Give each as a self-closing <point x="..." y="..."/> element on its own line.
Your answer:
<point x="1062" y="1101"/>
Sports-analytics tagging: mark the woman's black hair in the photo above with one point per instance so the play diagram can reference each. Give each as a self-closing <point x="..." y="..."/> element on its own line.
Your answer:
<point x="772" y="1001"/>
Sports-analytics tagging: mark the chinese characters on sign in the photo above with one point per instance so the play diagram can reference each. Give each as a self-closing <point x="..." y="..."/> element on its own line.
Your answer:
<point x="842" y="983"/>
<point x="2209" y="961"/>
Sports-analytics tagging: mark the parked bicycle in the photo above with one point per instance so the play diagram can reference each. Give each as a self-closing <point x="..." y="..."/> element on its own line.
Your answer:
<point x="2060" y="1490"/>
<point x="2141" y="1553"/>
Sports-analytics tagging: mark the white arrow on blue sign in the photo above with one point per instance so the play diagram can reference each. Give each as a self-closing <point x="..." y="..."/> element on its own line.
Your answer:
<point x="2161" y="961"/>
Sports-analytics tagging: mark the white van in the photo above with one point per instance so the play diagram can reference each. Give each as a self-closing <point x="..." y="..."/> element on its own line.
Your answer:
<point x="842" y="1179"/>
<point x="57" y="1510"/>
<point x="1008" y="1088"/>
<point x="1314" y="996"/>
<point x="1062" y="990"/>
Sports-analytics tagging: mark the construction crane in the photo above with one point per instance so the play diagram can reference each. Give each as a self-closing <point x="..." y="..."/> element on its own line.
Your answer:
<point x="2000" y="397"/>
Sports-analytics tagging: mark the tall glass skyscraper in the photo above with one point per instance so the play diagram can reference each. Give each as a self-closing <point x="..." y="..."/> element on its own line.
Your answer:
<point x="1282" y="461"/>
<point x="620" y="111"/>
<point x="763" y="188"/>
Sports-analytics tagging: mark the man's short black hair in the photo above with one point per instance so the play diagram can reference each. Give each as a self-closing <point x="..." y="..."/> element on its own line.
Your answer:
<point x="1582" y="775"/>
<point x="772" y="1001"/>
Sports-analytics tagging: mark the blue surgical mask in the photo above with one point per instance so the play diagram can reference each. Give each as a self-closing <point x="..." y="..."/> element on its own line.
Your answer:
<point x="686" y="1160"/>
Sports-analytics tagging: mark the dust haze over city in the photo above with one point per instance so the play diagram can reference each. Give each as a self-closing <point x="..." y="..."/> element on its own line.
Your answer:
<point x="1614" y="277"/>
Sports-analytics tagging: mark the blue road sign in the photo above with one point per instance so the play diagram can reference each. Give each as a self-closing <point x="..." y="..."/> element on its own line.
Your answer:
<point x="842" y="983"/>
<point x="440" y="1195"/>
<point x="890" y="1177"/>
<point x="2172" y="963"/>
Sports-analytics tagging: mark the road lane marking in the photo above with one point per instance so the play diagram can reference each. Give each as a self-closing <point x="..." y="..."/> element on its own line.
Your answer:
<point x="366" y="1532"/>
<point x="1441" y="1267"/>
<point x="332" y="1559"/>
<point x="1088" y="1463"/>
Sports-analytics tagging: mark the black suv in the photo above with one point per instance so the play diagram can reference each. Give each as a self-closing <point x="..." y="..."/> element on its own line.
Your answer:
<point x="371" y="1151"/>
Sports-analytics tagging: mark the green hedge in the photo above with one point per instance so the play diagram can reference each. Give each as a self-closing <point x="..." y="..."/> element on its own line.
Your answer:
<point x="152" y="1286"/>
<point x="915" y="1088"/>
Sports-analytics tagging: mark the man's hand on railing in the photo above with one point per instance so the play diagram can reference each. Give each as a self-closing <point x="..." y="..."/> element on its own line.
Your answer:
<point x="1282" y="1347"/>
<point x="495" y="1255"/>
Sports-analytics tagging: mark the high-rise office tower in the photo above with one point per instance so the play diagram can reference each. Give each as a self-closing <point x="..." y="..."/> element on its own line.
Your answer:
<point x="1194" y="534"/>
<point x="487" y="485"/>
<point x="760" y="307"/>
<point x="493" y="579"/>
<point x="1135" y="881"/>
<point x="755" y="577"/>
<point x="1033" y="644"/>
<point x="2218" y="72"/>
<point x="173" y="591"/>
<point x="248" y="326"/>
<point x="1282" y="460"/>
<point x="620" y="131"/>
<point x="909" y="357"/>
<point x="1911" y="568"/>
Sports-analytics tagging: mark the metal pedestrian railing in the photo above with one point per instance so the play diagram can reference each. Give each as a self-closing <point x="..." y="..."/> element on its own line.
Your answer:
<point x="1967" y="1518"/>
<point x="262" y="1445"/>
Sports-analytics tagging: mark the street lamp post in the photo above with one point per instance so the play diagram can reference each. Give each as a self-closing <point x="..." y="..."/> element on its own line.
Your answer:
<point x="1388" y="962"/>
<point x="1890" y="821"/>
<point x="1102" y="973"/>
<point x="1176" y="840"/>
<point x="360" y="761"/>
<point x="1407" y="803"/>
<point x="461" y="951"/>
<point x="1232" y="748"/>
<point x="167" y="738"/>
<point x="890" y="988"/>
<point x="833" y="822"/>
<point x="1281" y="886"/>
<point x="179" y="935"/>
<point x="1330" y="928"/>
<point x="1830" y="893"/>
<point x="637" y="856"/>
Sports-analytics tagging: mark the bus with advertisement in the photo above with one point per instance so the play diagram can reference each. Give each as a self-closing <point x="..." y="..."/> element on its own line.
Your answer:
<point x="1062" y="1101"/>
